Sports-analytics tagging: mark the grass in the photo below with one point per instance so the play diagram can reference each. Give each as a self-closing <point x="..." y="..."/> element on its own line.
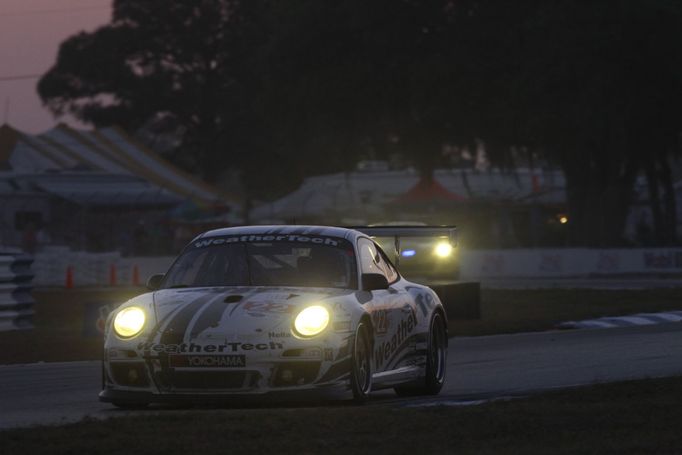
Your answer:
<point x="512" y="311"/>
<point x="59" y="327"/>
<point x="58" y="333"/>
<point x="632" y="417"/>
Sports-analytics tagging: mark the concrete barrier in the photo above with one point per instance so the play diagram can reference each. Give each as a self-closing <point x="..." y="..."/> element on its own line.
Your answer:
<point x="461" y="300"/>
<point x="569" y="263"/>
<point x="16" y="302"/>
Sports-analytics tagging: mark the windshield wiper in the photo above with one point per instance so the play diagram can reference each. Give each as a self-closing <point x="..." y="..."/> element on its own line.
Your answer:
<point x="175" y="286"/>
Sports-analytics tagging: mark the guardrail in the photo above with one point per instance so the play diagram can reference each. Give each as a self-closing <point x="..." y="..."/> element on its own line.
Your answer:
<point x="16" y="302"/>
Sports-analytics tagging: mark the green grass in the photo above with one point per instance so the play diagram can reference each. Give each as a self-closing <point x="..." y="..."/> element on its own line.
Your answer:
<point x="58" y="333"/>
<point x="632" y="417"/>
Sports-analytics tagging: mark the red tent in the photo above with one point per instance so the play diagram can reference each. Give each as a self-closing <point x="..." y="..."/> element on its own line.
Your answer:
<point x="425" y="191"/>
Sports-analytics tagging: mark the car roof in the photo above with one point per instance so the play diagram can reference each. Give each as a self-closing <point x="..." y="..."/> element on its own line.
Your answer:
<point x="331" y="231"/>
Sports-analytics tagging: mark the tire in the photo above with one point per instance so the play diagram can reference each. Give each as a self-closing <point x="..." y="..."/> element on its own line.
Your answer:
<point x="128" y="405"/>
<point x="361" y="364"/>
<point x="436" y="362"/>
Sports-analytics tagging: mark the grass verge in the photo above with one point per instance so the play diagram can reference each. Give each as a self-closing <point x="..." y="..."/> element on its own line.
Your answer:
<point x="513" y="311"/>
<point x="58" y="333"/>
<point x="632" y="417"/>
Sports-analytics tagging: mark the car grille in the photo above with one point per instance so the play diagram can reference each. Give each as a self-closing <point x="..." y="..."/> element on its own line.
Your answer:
<point x="208" y="380"/>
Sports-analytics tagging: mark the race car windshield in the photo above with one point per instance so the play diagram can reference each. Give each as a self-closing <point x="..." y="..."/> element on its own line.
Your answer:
<point x="213" y="262"/>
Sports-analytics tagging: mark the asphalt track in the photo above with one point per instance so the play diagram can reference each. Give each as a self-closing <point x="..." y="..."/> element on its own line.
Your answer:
<point x="479" y="368"/>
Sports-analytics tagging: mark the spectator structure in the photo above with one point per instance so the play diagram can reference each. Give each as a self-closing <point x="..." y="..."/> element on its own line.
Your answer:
<point x="96" y="190"/>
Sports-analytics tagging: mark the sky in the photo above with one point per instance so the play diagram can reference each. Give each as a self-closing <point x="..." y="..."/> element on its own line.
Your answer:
<point x="30" y="34"/>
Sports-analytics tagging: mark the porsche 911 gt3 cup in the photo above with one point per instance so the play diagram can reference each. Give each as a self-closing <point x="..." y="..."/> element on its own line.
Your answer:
<point x="250" y="311"/>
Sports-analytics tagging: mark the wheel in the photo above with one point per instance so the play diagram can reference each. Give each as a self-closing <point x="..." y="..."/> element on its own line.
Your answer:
<point x="436" y="361"/>
<point x="129" y="405"/>
<point x="361" y="368"/>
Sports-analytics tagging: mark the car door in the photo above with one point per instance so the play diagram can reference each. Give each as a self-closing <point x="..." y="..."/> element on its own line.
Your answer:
<point x="389" y="309"/>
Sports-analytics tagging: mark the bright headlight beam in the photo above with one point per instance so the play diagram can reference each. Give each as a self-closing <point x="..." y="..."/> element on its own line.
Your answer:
<point x="129" y="322"/>
<point x="443" y="249"/>
<point x="311" y="321"/>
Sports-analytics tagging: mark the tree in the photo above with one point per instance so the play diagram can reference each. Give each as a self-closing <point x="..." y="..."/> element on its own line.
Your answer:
<point x="167" y="67"/>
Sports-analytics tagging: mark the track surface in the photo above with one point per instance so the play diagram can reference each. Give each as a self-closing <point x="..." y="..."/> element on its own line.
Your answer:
<point x="478" y="368"/>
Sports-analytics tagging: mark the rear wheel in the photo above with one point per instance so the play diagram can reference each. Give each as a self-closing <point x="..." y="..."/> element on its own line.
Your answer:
<point x="436" y="360"/>
<point x="361" y="371"/>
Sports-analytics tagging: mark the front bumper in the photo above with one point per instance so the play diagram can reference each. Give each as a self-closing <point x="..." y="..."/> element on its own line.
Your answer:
<point x="148" y="376"/>
<point x="111" y="395"/>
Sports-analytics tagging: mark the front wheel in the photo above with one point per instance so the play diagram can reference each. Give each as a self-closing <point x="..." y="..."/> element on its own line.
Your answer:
<point x="436" y="360"/>
<point x="361" y="371"/>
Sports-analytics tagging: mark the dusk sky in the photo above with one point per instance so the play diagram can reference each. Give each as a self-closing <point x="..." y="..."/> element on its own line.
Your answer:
<point x="30" y="34"/>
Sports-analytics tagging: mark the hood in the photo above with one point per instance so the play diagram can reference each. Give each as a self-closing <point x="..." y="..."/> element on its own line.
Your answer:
<point x="224" y="314"/>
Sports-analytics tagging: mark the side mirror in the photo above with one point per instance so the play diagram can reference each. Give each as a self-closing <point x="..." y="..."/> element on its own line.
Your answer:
<point x="374" y="281"/>
<point x="154" y="281"/>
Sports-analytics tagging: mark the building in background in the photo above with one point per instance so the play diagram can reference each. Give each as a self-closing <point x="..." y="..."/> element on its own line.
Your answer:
<point x="516" y="208"/>
<point x="99" y="190"/>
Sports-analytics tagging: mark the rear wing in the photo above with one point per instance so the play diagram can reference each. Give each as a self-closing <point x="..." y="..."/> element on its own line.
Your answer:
<point x="447" y="233"/>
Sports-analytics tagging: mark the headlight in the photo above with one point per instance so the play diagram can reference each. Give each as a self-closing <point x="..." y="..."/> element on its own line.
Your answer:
<point x="311" y="321"/>
<point x="129" y="321"/>
<point x="443" y="249"/>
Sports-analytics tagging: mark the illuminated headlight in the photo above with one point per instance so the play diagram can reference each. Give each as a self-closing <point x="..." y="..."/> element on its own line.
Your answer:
<point x="311" y="321"/>
<point x="129" y="322"/>
<point x="443" y="249"/>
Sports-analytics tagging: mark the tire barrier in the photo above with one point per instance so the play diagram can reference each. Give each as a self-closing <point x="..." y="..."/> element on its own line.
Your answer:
<point x="462" y="300"/>
<point x="16" y="302"/>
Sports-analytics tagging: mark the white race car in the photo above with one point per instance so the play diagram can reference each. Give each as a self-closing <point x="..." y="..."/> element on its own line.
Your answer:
<point x="275" y="309"/>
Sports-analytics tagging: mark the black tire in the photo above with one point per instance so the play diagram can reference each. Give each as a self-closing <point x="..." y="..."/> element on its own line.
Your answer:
<point x="361" y="364"/>
<point x="436" y="362"/>
<point x="129" y="405"/>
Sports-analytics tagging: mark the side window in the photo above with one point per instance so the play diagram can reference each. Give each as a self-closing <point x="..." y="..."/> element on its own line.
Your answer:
<point x="391" y="272"/>
<point x="373" y="260"/>
<point x="369" y="257"/>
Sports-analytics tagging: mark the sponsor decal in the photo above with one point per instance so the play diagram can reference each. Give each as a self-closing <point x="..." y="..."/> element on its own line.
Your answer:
<point x="260" y="308"/>
<point x="386" y="349"/>
<point x="380" y="321"/>
<point x="422" y="298"/>
<point x="193" y="348"/>
<point x="282" y="334"/>
<point x="207" y="361"/>
<point x="266" y="238"/>
<point x="664" y="260"/>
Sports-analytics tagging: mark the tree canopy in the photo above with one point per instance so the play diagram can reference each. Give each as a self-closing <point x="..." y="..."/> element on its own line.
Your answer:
<point x="280" y="90"/>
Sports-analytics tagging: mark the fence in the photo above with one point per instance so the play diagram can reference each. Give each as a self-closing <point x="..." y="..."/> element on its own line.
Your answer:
<point x="16" y="303"/>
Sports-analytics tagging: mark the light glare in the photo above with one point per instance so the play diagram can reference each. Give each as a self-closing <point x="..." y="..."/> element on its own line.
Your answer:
<point x="311" y="321"/>
<point x="129" y="321"/>
<point x="443" y="249"/>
